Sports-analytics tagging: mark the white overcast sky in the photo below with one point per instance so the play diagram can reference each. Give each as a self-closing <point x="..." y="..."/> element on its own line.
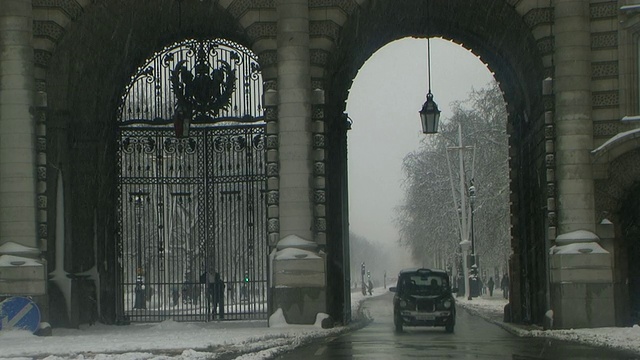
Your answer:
<point x="383" y="103"/>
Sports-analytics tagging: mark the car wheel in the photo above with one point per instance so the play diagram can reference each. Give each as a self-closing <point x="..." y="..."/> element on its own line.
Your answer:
<point x="397" y="321"/>
<point x="449" y="328"/>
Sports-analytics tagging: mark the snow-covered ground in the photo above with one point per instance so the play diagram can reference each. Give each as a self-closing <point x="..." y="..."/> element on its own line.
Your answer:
<point x="247" y="340"/>
<point x="491" y="308"/>
<point x="170" y="340"/>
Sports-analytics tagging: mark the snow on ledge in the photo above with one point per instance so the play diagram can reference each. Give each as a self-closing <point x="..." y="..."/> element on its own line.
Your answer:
<point x="630" y="8"/>
<point x="14" y="261"/>
<point x="277" y="320"/>
<point x="578" y="236"/>
<point x="13" y="248"/>
<point x="296" y="242"/>
<point x="578" y="248"/>
<point x="616" y="138"/>
<point x="295" y="254"/>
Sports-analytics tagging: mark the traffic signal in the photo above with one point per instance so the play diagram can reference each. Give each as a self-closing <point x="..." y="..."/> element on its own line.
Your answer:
<point x="246" y="277"/>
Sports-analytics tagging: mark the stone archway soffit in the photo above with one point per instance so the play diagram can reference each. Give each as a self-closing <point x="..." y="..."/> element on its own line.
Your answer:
<point x="121" y="27"/>
<point x="494" y="32"/>
<point x="617" y="146"/>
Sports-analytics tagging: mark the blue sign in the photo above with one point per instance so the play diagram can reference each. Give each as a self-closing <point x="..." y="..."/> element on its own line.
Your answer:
<point x="19" y="313"/>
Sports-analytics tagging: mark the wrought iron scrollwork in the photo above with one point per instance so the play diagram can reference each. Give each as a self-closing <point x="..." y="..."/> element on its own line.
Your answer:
<point x="226" y="142"/>
<point x="237" y="142"/>
<point x="201" y="95"/>
<point x="209" y="90"/>
<point x="178" y="145"/>
<point x="131" y="144"/>
<point x="196" y="81"/>
<point x="258" y="142"/>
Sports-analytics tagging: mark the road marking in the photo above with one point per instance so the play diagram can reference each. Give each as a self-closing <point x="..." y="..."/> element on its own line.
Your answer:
<point x="19" y="315"/>
<point x="320" y="351"/>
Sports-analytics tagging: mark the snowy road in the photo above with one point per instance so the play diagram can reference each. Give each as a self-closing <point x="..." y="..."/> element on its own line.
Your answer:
<point x="474" y="338"/>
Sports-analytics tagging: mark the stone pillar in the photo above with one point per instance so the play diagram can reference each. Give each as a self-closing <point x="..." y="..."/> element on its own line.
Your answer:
<point x="581" y="271"/>
<point x="18" y="235"/>
<point x="573" y="123"/>
<point x="582" y="288"/>
<point x="298" y="264"/>
<point x="294" y="118"/>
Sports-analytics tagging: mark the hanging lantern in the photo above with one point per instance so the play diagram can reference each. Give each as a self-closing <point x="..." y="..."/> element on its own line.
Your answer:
<point x="430" y="115"/>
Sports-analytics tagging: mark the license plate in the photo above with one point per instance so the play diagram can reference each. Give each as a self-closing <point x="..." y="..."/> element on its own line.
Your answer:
<point x="425" y="317"/>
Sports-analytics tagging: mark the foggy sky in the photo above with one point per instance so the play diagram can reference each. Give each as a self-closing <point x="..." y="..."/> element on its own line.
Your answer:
<point x="383" y="104"/>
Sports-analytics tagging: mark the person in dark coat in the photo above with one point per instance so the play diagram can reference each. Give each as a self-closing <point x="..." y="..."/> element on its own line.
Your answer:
<point x="216" y="293"/>
<point x="504" y="284"/>
<point x="490" y="285"/>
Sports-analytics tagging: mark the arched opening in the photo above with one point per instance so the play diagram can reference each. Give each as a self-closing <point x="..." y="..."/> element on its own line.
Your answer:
<point x="88" y="70"/>
<point x="191" y="186"/>
<point x="383" y="106"/>
<point x="629" y="252"/>
<point x="514" y="58"/>
<point x="87" y="73"/>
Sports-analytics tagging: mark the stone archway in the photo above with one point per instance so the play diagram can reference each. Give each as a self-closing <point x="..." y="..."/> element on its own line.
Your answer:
<point x="86" y="73"/>
<point x="617" y="198"/>
<point x="89" y="58"/>
<point x="629" y="253"/>
<point x="504" y="40"/>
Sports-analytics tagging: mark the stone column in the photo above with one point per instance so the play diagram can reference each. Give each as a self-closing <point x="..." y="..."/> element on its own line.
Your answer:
<point x="18" y="235"/>
<point x="581" y="276"/>
<point x="299" y="270"/>
<point x="573" y="123"/>
<point x="294" y="118"/>
<point x="17" y="131"/>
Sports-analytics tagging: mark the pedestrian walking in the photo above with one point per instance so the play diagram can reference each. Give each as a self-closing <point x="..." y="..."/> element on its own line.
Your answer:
<point x="490" y="285"/>
<point x="370" y="286"/>
<point x="216" y="293"/>
<point x="504" y="284"/>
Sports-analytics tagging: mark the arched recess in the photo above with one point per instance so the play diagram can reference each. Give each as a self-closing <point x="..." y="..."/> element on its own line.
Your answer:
<point x="500" y="37"/>
<point x="85" y="78"/>
<point x="617" y="199"/>
<point x="191" y="186"/>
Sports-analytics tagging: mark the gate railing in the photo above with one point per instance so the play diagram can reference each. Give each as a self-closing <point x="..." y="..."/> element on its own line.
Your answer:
<point x="190" y="208"/>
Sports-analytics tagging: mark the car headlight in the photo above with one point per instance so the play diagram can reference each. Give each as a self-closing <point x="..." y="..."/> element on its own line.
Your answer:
<point x="447" y="304"/>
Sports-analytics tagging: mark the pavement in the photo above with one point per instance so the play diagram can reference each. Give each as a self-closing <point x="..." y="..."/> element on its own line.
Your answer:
<point x="255" y="340"/>
<point x="491" y="308"/>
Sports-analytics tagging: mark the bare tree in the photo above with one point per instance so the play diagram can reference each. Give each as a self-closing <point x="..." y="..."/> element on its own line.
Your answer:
<point x="428" y="219"/>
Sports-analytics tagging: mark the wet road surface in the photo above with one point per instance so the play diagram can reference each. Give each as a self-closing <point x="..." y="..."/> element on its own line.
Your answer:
<point x="474" y="338"/>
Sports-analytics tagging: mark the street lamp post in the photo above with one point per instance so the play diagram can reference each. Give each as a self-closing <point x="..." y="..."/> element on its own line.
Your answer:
<point x="472" y="201"/>
<point x="462" y="210"/>
<point x="384" y="279"/>
<point x="362" y="271"/>
<point x="474" y="266"/>
<point x="464" y="245"/>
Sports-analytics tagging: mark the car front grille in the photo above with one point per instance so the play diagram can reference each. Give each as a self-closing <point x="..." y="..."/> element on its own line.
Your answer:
<point x="426" y="305"/>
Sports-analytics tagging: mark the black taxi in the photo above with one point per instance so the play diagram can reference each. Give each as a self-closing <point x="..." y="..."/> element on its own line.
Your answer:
<point x="423" y="297"/>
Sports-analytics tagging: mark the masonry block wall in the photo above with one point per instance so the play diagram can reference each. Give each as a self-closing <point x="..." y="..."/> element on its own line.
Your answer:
<point x="568" y="70"/>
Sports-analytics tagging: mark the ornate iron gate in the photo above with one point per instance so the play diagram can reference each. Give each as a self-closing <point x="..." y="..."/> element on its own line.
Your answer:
<point x="191" y="193"/>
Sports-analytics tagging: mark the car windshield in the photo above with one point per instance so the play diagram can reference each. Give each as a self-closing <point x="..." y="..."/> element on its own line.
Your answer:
<point x="423" y="284"/>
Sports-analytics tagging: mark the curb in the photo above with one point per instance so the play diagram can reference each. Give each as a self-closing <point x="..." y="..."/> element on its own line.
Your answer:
<point x="514" y="329"/>
<point x="535" y="331"/>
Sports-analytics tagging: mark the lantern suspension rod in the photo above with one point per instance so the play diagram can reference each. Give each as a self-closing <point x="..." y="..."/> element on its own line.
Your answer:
<point x="429" y="65"/>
